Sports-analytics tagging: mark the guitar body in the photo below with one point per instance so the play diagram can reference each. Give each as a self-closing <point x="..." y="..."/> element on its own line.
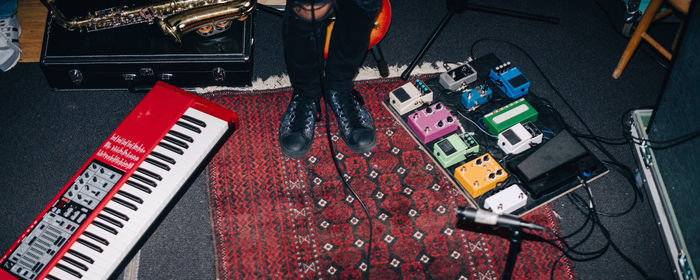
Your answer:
<point x="381" y="26"/>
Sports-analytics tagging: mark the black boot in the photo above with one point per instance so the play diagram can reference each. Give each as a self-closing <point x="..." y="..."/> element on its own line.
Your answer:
<point x="296" y="132"/>
<point x="354" y="122"/>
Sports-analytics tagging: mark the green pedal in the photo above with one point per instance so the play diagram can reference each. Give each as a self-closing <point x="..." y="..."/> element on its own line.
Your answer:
<point x="519" y="111"/>
<point x="454" y="149"/>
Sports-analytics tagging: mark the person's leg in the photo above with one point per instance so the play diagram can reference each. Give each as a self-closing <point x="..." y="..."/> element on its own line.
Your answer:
<point x="348" y="45"/>
<point x="9" y="35"/>
<point x="8" y="8"/>
<point x="302" y="39"/>
<point x="349" y="41"/>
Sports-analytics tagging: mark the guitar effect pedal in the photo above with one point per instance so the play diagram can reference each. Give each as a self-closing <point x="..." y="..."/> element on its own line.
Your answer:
<point x="519" y="138"/>
<point x="458" y="77"/>
<point x="480" y="175"/>
<point x="410" y="96"/>
<point x="510" y="80"/>
<point x="472" y="98"/>
<point x="453" y="149"/>
<point x="518" y="111"/>
<point x="506" y="201"/>
<point x="432" y="122"/>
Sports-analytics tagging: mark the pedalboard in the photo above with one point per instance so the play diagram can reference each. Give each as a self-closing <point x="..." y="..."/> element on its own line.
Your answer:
<point x="410" y="96"/>
<point x="432" y="122"/>
<point x="519" y="137"/>
<point x="529" y="169"/>
<point x="453" y="149"/>
<point x="510" y="80"/>
<point x="507" y="200"/>
<point x="458" y="78"/>
<point x="472" y="98"/>
<point x="519" y="111"/>
<point x="480" y="175"/>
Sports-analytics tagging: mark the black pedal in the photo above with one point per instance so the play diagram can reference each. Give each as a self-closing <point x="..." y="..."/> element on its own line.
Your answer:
<point x="553" y="164"/>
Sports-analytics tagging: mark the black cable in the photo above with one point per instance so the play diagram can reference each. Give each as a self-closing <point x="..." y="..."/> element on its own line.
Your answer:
<point x="347" y="186"/>
<point x="606" y="233"/>
<point x="556" y="91"/>
<point x="581" y="242"/>
<point x="591" y="214"/>
<point x="593" y="211"/>
<point x="654" y="144"/>
<point x="604" y="140"/>
<point x="331" y="148"/>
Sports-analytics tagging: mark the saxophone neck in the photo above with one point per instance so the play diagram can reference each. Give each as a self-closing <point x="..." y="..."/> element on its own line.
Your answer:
<point x="59" y="17"/>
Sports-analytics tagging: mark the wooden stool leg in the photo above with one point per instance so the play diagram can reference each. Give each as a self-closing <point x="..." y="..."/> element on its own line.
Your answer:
<point x="644" y="23"/>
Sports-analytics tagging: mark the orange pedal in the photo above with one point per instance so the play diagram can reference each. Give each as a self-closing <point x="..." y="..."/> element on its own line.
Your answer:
<point x="480" y="175"/>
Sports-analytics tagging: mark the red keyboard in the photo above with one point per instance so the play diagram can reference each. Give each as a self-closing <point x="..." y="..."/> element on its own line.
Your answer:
<point x="100" y="218"/>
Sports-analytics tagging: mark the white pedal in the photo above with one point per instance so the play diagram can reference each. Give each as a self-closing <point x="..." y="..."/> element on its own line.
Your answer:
<point x="506" y="201"/>
<point x="519" y="138"/>
<point x="410" y="96"/>
<point x="459" y="77"/>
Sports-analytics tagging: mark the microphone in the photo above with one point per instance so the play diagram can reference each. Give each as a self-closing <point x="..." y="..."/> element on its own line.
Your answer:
<point x="490" y="218"/>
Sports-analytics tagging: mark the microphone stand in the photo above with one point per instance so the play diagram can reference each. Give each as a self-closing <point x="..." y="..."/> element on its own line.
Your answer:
<point x="458" y="6"/>
<point x="477" y="219"/>
<point x="516" y="246"/>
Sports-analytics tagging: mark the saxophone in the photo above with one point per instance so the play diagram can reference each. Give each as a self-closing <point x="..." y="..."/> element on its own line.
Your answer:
<point x="175" y="17"/>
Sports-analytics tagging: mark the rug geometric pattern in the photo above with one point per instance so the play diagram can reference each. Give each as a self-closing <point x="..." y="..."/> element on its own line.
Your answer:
<point x="278" y="218"/>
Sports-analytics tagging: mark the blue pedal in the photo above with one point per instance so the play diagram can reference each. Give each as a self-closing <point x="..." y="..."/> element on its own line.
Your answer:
<point x="472" y="98"/>
<point x="510" y="80"/>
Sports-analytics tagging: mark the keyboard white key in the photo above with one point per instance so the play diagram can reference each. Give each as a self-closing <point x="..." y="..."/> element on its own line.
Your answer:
<point x="163" y="185"/>
<point x="61" y="274"/>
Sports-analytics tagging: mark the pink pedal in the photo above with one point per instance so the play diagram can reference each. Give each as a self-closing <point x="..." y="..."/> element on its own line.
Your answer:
<point x="432" y="122"/>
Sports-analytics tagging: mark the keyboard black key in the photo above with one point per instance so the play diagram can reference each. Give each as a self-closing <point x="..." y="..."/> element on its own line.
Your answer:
<point x="149" y="173"/>
<point x="116" y="213"/>
<point x="162" y="157"/>
<point x="157" y="164"/>
<point x="51" y="277"/>
<point x="96" y="238"/>
<point x="75" y="263"/>
<point x="193" y="120"/>
<point x="189" y="126"/>
<point x="176" y="142"/>
<point x="130" y="197"/>
<point x="69" y="270"/>
<point x="124" y="203"/>
<point x="181" y="136"/>
<point x="171" y="148"/>
<point x="105" y="227"/>
<point x="138" y="186"/>
<point x="144" y="180"/>
<point x="90" y="245"/>
<point x="110" y="220"/>
<point x="81" y="256"/>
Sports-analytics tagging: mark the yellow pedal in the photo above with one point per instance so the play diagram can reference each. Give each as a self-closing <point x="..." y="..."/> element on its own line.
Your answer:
<point x="480" y="175"/>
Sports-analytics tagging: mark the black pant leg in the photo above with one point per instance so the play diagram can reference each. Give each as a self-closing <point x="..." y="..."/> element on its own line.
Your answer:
<point x="349" y="41"/>
<point x="303" y="51"/>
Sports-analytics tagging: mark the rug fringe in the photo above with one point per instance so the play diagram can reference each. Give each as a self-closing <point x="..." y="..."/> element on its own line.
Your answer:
<point x="365" y="73"/>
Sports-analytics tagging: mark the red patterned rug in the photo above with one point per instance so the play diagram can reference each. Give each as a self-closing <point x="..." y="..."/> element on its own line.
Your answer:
<point x="279" y="218"/>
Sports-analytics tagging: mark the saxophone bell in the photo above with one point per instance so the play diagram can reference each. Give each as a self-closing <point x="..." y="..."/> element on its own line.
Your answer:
<point x="206" y="21"/>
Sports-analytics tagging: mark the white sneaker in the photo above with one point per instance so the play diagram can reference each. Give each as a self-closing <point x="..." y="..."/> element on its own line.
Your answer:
<point x="9" y="42"/>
